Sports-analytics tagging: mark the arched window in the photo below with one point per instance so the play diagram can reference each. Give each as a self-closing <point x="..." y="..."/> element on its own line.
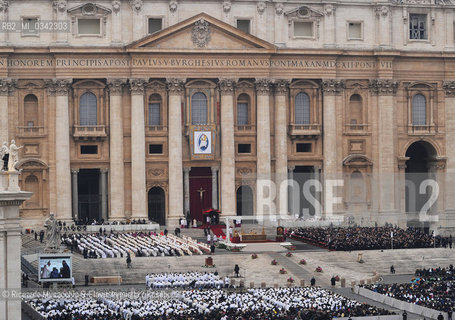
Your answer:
<point x="358" y="193"/>
<point x="155" y="110"/>
<point x="419" y="110"/>
<point x="355" y="103"/>
<point x="31" y="110"/>
<point x="302" y="108"/>
<point x="199" y="108"/>
<point x="32" y="185"/>
<point x="88" y="110"/>
<point x="243" y="102"/>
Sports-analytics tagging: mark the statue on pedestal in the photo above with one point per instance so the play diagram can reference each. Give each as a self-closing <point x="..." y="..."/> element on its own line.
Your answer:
<point x="52" y="234"/>
<point x="13" y="155"/>
<point x="4" y="155"/>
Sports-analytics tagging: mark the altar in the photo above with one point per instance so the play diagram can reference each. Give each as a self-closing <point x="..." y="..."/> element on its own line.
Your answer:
<point x="253" y="236"/>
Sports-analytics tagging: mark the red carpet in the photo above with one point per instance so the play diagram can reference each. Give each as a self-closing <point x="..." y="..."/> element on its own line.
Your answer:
<point x="218" y="231"/>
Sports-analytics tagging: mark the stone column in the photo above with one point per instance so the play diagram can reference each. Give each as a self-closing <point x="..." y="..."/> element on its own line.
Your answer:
<point x="329" y="26"/>
<point x="175" y="89"/>
<point x="227" y="183"/>
<point x="4" y="17"/>
<point x="330" y="89"/>
<point x="117" y="166"/>
<point x="138" y="187"/>
<point x="214" y="187"/>
<point x="2" y="269"/>
<point x="75" y="194"/>
<point x="137" y="19"/>
<point x="60" y="8"/>
<point x="279" y="24"/>
<point x="104" y="172"/>
<point x="385" y="90"/>
<point x="449" y="188"/>
<point x="7" y="87"/>
<point x="281" y="139"/>
<point x="61" y="89"/>
<point x="186" y="178"/>
<point x="318" y="195"/>
<point x="116" y="23"/>
<point x="291" y="206"/>
<point x="382" y="16"/>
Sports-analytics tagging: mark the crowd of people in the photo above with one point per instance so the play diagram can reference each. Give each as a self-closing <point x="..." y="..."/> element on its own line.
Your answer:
<point x="267" y="303"/>
<point x="433" y="288"/>
<point x="367" y="238"/>
<point x="139" y="244"/>
<point x="198" y="280"/>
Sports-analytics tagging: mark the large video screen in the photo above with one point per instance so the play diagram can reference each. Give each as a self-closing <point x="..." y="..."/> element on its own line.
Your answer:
<point x="55" y="267"/>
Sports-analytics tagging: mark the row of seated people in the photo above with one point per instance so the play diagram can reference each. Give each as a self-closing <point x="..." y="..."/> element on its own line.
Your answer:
<point x="271" y="303"/>
<point x="364" y="238"/>
<point x="115" y="245"/>
<point x="198" y="280"/>
<point x="433" y="288"/>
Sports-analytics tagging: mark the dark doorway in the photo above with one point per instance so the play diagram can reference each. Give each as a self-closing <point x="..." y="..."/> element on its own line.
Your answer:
<point x="302" y="206"/>
<point x="157" y="205"/>
<point x="244" y="201"/>
<point x="420" y="154"/>
<point x="88" y="188"/>
<point x="200" y="191"/>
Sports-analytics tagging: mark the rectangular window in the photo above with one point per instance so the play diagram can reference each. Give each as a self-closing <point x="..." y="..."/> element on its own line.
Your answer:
<point x="244" y="25"/>
<point x="418" y="27"/>
<point x="244" y="148"/>
<point x="87" y="149"/>
<point x="303" y="147"/>
<point x="30" y="123"/>
<point x="155" y="25"/>
<point x="242" y="113"/>
<point x="303" y="29"/>
<point x="28" y="26"/>
<point x="154" y="114"/>
<point x="155" y="148"/>
<point x="88" y="26"/>
<point x="355" y="31"/>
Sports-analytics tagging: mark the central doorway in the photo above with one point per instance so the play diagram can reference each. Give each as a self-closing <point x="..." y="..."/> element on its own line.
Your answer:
<point x="88" y="189"/>
<point x="200" y="191"/>
<point x="157" y="205"/>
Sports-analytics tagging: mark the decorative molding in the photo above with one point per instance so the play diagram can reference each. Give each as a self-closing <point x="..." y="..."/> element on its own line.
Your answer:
<point x="3" y="5"/>
<point x="156" y="86"/>
<point x="59" y="87"/>
<point x="332" y="86"/>
<point x="201" y="33"/>
<point x="329" y="10"/>
<point x="115" y="86"/>
<point x="227" y="6"/>
<point x="279" y="9"/>
<point x="7" y="86"/>
<point x="59" y="5"/>
<point x="175" y="85"/>
<point x="160" y="184"/>
<point x="116" y="5"/>
<point x="75" y="171"/>
<point x="383" y="86"/>
<point x="104" y="170"/>
<point x="381" y="11"/>
<point x="136" y="5"/>
<point x="261" y="7"/>
<point x="137" y="86"/>
<point x="156" y="172"/>
<point x="244" y="171"/>
<point x="173" y="5"/>
<point x="227" y="86"/>
<point x="449" y="88"/>
<point x="263" y="86"/>
<point x="281" y="86"/>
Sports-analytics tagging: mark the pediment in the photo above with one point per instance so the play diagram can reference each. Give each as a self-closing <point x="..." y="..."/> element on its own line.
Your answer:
<point x="89" y="9"/>
<point x="201" y="33"/>
<point x="304" y="12"/>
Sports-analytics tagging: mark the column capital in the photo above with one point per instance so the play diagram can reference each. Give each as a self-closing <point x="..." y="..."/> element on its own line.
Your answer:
<point x="291" y="168"/>
<point x="58" y="87"/>
<point x="7" y="86"/>
<point x="332" y="86"/>
<point x="74" y="170"/>
<point x="115" y="86"/>
<point x="137" y="85"/>
<point x="281" y="86"/>
<point x="383" y="87"/>
<point x="449" y="88"/>
<point x="226" y="86"/>
<point x="104" y="170"/>
<point x="263" y="86"/>
<point x="215" y="169"/>
<point x="175" y="85"/>
<point x="186" y="169"/>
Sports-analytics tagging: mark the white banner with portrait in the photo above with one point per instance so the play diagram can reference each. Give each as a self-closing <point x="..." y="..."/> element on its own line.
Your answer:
<point x="202" y="142"/>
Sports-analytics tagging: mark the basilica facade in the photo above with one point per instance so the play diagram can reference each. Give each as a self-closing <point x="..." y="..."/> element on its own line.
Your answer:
<point x="160" y="109"/>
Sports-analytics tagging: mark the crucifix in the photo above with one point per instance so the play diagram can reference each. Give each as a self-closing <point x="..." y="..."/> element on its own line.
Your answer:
<point x="201" y="192"/>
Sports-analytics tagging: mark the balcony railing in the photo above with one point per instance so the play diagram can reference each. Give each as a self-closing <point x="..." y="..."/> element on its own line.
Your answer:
<point x="422" y="129"/>
<point x="305" y="130"/>
<point x="89" y="132"/>
<point x="31" y="131"/>
<point x="245" y="127"/>
<point x="157" y="128"/>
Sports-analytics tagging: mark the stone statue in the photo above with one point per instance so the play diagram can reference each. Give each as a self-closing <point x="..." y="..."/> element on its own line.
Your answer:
<point x="52" y="233"/>
<point x="4" y="155"/>
<point x="13" y="155"/>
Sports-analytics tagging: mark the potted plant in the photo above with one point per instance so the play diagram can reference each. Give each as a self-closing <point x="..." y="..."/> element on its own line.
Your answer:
<point x="283" y="271"/>
<point x="273" y="263"/>
<point x="289" y="254"/>
<point x="254" y="256"/>
<point x="302" y="261"/>
<point x="318" y="269"/>
<point x="291" y="280"/>
<point x="337" y="278"/>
